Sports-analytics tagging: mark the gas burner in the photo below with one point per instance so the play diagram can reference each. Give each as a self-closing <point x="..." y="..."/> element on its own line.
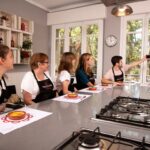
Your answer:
<point x="89" y="141"/>
<point x="127" y="110"/>
<point x="95" y="140"/>
<point x="135" y="108"/>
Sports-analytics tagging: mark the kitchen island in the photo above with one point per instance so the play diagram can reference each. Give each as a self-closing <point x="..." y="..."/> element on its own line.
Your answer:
<point x="47" y="133"/>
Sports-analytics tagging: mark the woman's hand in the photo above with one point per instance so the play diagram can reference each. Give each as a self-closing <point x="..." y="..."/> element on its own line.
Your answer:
<point x="118" y="83"/>
<point x="2" y="107"/>
<point x="27" y="98"/>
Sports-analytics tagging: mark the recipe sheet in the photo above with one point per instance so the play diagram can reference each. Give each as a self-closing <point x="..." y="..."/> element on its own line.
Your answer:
<point x="78" y="99"/>
<point x="7" y="125"/>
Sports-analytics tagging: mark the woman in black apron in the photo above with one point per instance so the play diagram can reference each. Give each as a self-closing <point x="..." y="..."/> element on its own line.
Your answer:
<point x="6" y="63"/>
<point x="45" y="89"/>
<point x="84" y="75"/>
<point x="65" y="69"/>
<point x="37" y="79"/>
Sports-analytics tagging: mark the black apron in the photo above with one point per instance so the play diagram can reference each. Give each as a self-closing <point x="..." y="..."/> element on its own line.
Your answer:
<point x="118" y="78"/>
<point x="6" y="93"/>
<point x="45" y="89"/>
<point x="70" y="87"/>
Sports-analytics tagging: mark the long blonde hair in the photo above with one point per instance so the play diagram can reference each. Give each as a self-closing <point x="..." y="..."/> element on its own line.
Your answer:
<point x="83" y="65"/>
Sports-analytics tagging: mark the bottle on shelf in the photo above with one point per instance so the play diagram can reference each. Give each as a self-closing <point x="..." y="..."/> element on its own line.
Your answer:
<point x="12" y="43"/>
<point x="23" y="26"/>
<point x="1" y="40"/>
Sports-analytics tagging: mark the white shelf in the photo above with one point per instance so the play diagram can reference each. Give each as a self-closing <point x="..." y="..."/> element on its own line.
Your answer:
<point x="13" y="35"/>
<point x="4" y="28"/>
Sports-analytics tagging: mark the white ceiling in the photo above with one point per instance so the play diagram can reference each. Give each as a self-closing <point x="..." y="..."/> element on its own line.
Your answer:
<point x="58" y="5"/>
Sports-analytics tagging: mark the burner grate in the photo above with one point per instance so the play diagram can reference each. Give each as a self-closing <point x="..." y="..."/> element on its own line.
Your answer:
<point x="127" y="110"/>
<point x="106" y="142"/>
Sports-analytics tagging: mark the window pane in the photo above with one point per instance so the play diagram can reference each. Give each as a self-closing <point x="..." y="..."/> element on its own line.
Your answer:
<point x="92" y="29"/>
<point x="133" y="53"/>
<point x="75" y="31"/>
<point x="60" y="33"/>
<point x="134" y="26"/>
<point x="59" y="51"/>
<point x="148" y="62"/>
<point x="75" y="35"/>
<point x="75" y="45"/>
<point x="148" y="72"/>
<point x="92" y="42"/>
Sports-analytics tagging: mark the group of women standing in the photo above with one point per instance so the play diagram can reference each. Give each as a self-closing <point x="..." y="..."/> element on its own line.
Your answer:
<point x="37" y="84"/>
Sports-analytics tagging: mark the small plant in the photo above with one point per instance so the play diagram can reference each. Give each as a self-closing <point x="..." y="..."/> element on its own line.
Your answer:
<point x="27" y="44"/>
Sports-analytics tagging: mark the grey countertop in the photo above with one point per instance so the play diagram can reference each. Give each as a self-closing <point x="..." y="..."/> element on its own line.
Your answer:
<point x="50" y="131"/>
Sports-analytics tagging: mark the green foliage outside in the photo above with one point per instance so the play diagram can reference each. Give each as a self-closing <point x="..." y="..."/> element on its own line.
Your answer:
<point x="92" y="41"/>
<point x="134" y="45"/>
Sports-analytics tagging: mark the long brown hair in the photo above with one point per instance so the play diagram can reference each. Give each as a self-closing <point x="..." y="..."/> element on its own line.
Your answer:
<point x="82" y="63"/>
<point x="66" y="62"/>
<point x="4" y="50"/>
<point x="37" y="58"/>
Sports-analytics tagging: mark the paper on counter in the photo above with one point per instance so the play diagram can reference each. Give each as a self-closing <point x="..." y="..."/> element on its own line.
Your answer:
<point x="99" y="89"/>
<point x="7" y="125"/>
<point x="64" y="98"/>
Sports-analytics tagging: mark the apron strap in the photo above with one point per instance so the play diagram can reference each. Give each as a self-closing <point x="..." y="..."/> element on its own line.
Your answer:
<point x="3" y="81"/>
<point x="114" y="72"/>
<point x="49" y="79"/>
<point x="34" y="76"/>
<point x="37" y="79"/>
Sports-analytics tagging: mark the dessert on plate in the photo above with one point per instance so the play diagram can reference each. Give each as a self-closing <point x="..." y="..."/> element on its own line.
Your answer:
<point x="16" y="115"/>
<point x="72" y="95"/>
<point x="93" y="88"/>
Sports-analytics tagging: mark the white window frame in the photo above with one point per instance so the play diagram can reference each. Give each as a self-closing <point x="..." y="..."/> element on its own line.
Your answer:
<point x="145" y="18"/>
<point x="83" y="46"/>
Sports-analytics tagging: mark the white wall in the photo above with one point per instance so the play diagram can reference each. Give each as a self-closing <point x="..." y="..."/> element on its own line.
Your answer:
<point x="140" y="7"/>
<point x="97" y="11"/>
<point x="15" y="78"/>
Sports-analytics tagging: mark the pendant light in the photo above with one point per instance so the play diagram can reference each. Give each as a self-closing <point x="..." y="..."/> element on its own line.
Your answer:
<point x="121" y="10"/>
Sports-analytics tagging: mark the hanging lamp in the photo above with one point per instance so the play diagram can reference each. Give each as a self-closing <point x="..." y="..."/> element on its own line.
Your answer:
<point x="121" y="10"/>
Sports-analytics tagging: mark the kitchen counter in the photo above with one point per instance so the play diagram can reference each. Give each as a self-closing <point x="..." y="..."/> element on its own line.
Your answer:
<point x="50" y="131"/>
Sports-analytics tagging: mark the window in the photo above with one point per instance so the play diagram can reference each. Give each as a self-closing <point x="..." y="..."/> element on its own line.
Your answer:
<point x="77" y="38"/>
<point x="135" y="45"/>
<point x="92" y="42"/>
<point x="60" y="38"/>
